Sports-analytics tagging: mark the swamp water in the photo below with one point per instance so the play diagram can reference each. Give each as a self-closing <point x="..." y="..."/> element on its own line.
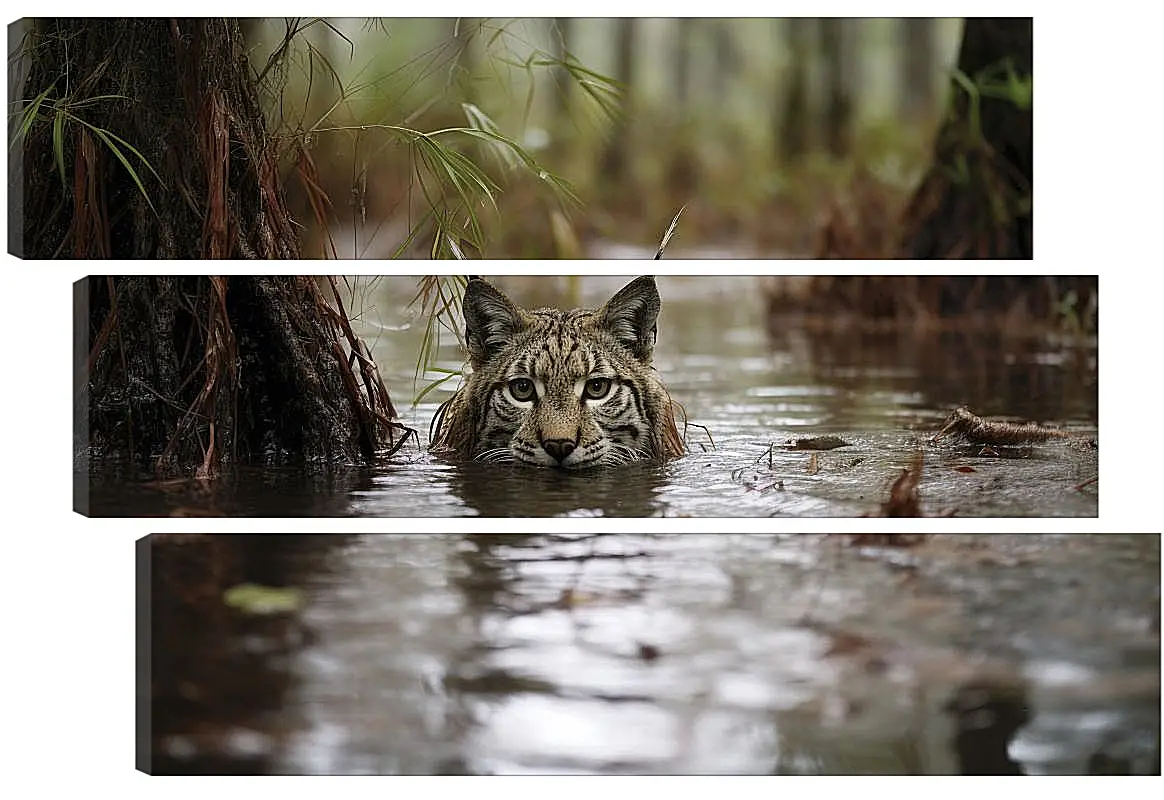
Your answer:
<point x="752" y="384"/>
<point x="639" y="653"/>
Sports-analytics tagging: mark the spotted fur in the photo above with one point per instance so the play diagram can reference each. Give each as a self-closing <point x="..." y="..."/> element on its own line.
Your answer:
<point x="567" y="389"/>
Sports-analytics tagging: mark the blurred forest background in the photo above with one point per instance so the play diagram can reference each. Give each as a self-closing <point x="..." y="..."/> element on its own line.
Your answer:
<point x="522" y="138"/>
<point x="760" y="127"/>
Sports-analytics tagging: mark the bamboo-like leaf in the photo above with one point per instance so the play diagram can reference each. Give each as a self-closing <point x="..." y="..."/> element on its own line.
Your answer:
<point x="433" y="386"/>
<point x="59" y="144"/>
<point x="29" y="115"/>
<point x="105" y="137"/>
<point x="110" y="134"/>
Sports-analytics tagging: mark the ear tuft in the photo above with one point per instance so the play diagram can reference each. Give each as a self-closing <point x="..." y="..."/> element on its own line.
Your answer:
<point x="491" y="321"/>
<point x="631" y="317"/>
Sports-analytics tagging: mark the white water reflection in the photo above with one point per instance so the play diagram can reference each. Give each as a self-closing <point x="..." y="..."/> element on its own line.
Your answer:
<point x="717" y="654"/>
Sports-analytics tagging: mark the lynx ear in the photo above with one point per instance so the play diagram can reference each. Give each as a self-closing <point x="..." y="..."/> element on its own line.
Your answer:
<point x="491" y="320"/>
<point x="630" y="316"/>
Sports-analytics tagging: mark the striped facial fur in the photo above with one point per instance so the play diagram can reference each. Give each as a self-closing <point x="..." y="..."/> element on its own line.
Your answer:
<point x="566" y="389"/>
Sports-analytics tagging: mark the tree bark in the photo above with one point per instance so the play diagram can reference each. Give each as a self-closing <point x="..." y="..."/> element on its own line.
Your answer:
<point x="179" y="92"/>
<point x="975" y="200"/>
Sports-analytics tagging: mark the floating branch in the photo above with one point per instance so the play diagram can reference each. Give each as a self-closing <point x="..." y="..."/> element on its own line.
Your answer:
<point x="966" y="425"/>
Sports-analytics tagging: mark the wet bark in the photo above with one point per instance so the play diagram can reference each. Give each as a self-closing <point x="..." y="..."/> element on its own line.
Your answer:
<point x="179" y="92"/>
<point x="186" y="375"/>
<point x="975" y="200"/>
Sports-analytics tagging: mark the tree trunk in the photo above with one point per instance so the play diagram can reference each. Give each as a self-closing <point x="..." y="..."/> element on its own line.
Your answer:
<point x="916" y="100"/>
<point x="615" y="163"/>
<point x="466" y="31"/>
<point x="561" y="38"/>
<point x="149" y="142"/>
<point x="184" y="375"/>
<point x="837" y="60"/>
<point x="727" y="57"/>
<point x="975" y="201"/>
<point x="684" y="36"/>
<point x="795" y="125"/>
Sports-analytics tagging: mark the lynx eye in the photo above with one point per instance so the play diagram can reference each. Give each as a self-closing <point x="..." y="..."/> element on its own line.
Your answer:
<point x="596" y="388"/>
<point x="522" y="389"/>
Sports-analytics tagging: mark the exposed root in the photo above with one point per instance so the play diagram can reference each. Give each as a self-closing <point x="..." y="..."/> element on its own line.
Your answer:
<point x="187" y="375"/>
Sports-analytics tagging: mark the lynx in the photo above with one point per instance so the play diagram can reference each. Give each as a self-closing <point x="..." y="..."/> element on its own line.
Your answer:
<point x="565" y="389"/>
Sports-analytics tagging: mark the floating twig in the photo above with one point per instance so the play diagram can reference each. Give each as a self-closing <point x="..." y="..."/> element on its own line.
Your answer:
<point x="667" y="236"/>
<point x="704" y="428"/>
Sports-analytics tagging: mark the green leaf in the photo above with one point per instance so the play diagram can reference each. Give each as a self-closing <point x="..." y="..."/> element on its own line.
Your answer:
<point x="257" y="600"/>
<point x="59" y="143"/>
<point x="108" y="137"/>
<point x="30" y="113"/>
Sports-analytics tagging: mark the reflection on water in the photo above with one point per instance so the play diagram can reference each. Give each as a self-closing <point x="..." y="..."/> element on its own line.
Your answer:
<point x="1026" y="654"/>
<point x="750" y="383"/>
<point x="490" y="490"/>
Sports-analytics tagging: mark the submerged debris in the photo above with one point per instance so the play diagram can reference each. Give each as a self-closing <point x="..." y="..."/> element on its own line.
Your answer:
<point x="649" y="652"/>
<point x="816" y="443"/>
<point x="966" y="425"/>
<point x="887" y="539"/>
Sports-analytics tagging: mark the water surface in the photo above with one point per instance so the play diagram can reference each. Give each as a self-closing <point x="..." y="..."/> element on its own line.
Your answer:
<point x="625" y="653"/>
<point x="749" y="385"/>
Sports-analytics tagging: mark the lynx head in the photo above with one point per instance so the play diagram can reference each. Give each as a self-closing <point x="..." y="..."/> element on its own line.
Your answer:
<point x="567" y="389"/>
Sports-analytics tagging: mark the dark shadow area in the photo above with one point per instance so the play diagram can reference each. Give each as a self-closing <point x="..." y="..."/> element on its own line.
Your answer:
<point x="216" y="676"/>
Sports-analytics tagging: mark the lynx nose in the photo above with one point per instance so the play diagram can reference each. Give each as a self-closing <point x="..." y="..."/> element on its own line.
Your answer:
<point x="558" y="448"/>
